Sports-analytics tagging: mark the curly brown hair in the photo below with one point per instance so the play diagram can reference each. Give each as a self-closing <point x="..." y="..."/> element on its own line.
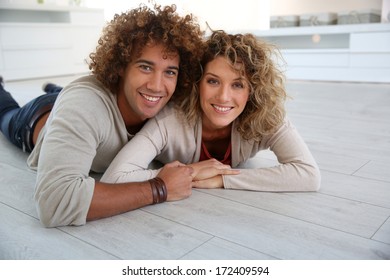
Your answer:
<point x="264" y="111"/>
<point x="128" y="33"/>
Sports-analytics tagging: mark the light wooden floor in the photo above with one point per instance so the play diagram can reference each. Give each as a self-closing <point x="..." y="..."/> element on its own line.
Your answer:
<point x="347" y="127"/>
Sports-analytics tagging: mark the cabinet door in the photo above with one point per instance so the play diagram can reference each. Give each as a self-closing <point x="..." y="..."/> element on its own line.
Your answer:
<point x="370" y="50"/>
<point x="370" y="42"/>
<point x="35" y="47"/>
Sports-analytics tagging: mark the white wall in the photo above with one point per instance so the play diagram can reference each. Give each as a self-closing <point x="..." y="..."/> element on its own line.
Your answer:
<point x="299" y="7"/>
<point x="220" y="14"/>
<point x="243" y="14"/>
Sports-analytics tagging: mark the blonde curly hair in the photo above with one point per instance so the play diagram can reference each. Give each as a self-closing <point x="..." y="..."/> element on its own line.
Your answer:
<point x="264" y="112"/>
<point x="128" y="33"/>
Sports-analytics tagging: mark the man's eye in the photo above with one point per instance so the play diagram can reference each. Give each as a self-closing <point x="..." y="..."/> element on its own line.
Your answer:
<point x="145" y="67"/>
<point x="171" y="73"/>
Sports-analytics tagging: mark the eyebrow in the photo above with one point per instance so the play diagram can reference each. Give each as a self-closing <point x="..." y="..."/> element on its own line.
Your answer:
<point x="239" y="78"/>
<point x="152" y="63"/>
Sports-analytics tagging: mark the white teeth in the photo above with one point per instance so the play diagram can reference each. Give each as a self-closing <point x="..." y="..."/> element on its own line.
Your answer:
<point x="151" y="98"/>
<point x="222" y="109"/>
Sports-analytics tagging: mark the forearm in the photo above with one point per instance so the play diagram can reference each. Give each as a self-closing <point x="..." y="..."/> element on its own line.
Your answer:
<point x="282" y="178"/>
<point x="297" y="171"/>
<point x="130" y="175"/>
<point x="113" y="199"/>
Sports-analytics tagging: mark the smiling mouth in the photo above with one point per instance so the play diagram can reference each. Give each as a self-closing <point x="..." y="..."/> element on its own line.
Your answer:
<point x="222" y="109"/>
<point x="151" y="98"/>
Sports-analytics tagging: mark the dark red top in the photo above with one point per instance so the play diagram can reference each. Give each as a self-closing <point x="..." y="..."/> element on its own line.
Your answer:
<point x="205" y="155"/>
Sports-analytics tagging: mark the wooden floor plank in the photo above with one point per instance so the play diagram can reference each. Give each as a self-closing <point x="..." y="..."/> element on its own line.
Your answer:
<point x="383" y="233"/>
<point x="369" y="191"/>
<point x="360" y="101"/>
<point x="272" y="234"/>
<point x="23" y="237"/>
<point x="219" y="249"/>
<point x="17" y="189"/>
<point x="140" y="235"/>
<point x="340" y="214"/>
<point x="338" y="163"/>
<point x="375" y="170"/>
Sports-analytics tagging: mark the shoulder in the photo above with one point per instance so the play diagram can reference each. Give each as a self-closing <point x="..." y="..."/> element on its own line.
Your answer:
<point x="85" y="104"/>
<point x="169" y="122"/>
<point x="170" y="115"/>
<point x="286" y="127"/>
<point x="88" y="94"/>
<point x="286" y="135"/>
<point x="86" y="86"/>
<point x="168" y="111"/>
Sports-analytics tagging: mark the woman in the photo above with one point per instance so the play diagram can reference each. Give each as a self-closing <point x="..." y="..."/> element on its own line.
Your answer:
<point x="237" y="110"/>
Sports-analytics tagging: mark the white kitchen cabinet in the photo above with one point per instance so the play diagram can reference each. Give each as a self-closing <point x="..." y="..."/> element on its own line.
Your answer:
<point x="46" y="40"/>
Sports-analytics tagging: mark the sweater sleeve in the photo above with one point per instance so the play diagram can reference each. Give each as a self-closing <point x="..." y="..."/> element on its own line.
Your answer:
<point x="297" y="170"/>
<point x="64" y="188"/>
<point x="132" y="162"/>
<point x="163" y="139"/>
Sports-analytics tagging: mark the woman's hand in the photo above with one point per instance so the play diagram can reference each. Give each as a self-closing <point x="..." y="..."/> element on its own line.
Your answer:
<point x="215" y="182"/>
<point x="209" y="168"/>
<point x="208" y="173"/>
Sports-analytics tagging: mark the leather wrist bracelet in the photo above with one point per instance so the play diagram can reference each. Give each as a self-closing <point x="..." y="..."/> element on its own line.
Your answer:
<point x="159" y="190"/>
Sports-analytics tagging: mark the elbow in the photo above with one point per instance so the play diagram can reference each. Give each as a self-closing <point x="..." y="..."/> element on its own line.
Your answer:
<point x="46" y="211"/>
<point x="46" y="216"/>
<point x="308" y="178"/>
<point x="46" y="204"/>
<point x="313" y="183"/>
<point x="48" y="223"/>
<point x="50" y="218"/>
<point x="56" y="208"/>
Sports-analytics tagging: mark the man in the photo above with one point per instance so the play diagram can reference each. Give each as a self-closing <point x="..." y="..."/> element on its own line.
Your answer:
<point x="143" y="58"/>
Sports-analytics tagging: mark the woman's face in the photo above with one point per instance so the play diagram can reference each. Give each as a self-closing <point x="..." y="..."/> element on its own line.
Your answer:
<point x="223" y="93"/>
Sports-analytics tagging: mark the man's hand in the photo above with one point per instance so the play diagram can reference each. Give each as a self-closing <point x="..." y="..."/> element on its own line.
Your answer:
<point x="178" y="180"/>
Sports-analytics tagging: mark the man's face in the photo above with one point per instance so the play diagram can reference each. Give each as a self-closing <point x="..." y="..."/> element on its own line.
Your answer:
<point x="147" y="84"/>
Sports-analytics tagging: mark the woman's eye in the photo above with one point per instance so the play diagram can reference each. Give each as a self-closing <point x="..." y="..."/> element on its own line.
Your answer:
<point x="212" y="81"/>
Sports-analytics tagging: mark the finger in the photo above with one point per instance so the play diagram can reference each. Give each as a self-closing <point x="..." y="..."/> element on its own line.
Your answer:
<point x="224" y="166"/>
<point x="192" y="171"/>
<point x="176" y="164"/>
<point x="229" y="171"/>
<point x="204" y="184"/>
<point x="198" y="184"/>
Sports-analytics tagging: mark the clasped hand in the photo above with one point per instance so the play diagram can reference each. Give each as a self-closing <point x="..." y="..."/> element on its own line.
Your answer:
<point x="180" y="178"/>
<point x="208" y="174"/>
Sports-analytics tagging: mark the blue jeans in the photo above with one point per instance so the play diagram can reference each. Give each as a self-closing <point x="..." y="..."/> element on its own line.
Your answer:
<point x="18" y="123"/>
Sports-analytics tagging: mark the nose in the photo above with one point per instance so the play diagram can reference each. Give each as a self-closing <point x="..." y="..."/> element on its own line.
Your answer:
<point x="155" y="83"/>
<point x="224" y="94"/>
